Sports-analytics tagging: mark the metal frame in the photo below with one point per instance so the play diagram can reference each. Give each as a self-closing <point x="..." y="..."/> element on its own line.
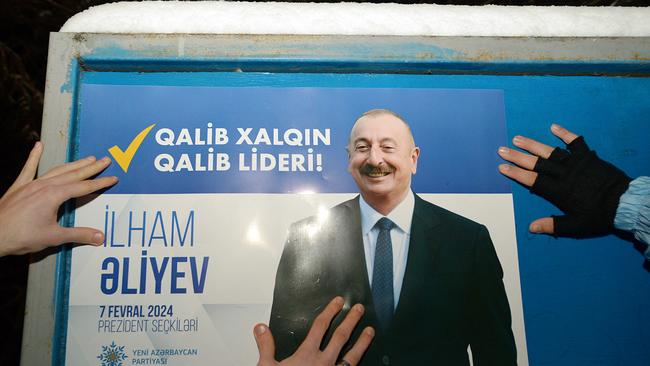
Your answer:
<point x="72" y="53"/>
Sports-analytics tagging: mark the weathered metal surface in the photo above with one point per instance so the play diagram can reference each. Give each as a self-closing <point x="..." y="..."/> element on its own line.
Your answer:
<point x="394" y="54"/>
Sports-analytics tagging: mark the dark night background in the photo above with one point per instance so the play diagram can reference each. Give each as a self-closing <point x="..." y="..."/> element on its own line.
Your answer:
<point x="24" y="31"/>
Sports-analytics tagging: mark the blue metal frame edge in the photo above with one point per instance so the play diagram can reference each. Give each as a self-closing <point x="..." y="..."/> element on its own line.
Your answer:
<point x="501" y="67"/>
<point x="64" y="257"/>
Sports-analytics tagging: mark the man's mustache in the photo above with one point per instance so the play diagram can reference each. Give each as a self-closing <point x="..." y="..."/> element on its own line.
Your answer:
<point x="373" y="169"/>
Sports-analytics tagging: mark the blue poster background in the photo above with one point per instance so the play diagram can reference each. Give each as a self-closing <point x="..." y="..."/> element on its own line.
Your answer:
<point x="444" y="122"/>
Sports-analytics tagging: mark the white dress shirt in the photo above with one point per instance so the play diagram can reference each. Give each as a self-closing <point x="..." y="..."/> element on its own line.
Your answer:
<point x="400" y="236"/>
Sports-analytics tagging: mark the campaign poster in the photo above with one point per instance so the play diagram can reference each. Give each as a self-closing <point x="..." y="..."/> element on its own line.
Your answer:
<point x="212" y="178"/>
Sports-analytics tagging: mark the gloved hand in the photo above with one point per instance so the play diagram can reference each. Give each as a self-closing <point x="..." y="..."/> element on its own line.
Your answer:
<point x="586" y="188"/>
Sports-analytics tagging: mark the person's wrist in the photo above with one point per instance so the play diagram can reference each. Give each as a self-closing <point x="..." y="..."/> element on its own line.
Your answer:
<point x="4" y="247"/>
<point x="3" y="238"/>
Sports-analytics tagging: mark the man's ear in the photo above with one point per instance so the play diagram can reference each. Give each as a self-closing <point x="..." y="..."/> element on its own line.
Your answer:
<point x="347" y="150"/>
<point x="415" y="154"/>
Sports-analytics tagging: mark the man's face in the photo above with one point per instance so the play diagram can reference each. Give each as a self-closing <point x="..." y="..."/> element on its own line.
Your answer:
<point x="382" y="156"/>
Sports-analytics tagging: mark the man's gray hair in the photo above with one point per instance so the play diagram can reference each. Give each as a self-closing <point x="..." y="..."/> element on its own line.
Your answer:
<point x="380" y="112"/>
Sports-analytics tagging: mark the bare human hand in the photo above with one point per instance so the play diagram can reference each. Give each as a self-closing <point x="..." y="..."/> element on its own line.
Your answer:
<point x="309" y="352"/>
<point x="576" y="180"/>
<point x="28" y="210"/>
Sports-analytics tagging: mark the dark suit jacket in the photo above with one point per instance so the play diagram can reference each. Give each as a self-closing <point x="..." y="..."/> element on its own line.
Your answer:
<point x="452" y="295"/>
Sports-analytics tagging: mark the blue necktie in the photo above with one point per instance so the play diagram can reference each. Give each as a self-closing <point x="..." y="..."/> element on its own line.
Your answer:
<point x="382" y="274"/>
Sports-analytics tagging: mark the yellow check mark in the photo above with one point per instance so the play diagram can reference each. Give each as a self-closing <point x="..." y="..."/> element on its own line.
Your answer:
<point x="124" y="158"/>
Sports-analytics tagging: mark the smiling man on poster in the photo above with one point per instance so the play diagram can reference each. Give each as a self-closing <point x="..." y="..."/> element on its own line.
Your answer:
<point x="430" y="280"/>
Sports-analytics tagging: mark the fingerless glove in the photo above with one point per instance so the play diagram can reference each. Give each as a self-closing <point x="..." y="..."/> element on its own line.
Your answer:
<point x="586" y="188"/>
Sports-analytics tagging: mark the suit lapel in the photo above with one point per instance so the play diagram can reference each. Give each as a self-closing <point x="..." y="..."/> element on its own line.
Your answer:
<point x="351" y="242"/>
<point x="423" y="245"/>
<point x="358" y="285"/>
<point x="424" y="242"/>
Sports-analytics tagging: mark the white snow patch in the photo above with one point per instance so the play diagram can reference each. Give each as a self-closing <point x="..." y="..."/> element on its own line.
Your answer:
<point x="224" y="17"/>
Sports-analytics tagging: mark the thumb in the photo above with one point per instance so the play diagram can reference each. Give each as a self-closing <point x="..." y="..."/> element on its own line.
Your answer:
<point x="542" y="226"/>
<point x="265" y="345"/>
<point x="81" y="235"/>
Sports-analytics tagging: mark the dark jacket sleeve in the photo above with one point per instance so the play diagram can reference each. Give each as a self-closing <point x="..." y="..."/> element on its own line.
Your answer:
<point x="283" y="320"/>
<point x="492" y="342"/>
<point x="298" y="295"/>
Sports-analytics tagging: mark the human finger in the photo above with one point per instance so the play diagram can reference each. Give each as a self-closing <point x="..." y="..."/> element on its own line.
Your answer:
<point x="265" y="345"/>
<point x="360" y="346"/>
<point x="526" y="161"/>
<point x="542" y="226"/>
<point x="79" y="189"/>
<point x="64" y="168"/>
<point x="322" y="323"/>
<point x="522" y="176"/>
<point x="80" y="235"/>
<point x="564" y="134"/>
<point x="29" y="169"/>
<point x="532" y="146"/>
<point x="82" y="173"/>
<point x="343" y="332"/>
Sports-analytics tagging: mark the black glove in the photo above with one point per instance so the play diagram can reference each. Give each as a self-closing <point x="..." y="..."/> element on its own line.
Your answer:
<point x="586" y="188"/>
